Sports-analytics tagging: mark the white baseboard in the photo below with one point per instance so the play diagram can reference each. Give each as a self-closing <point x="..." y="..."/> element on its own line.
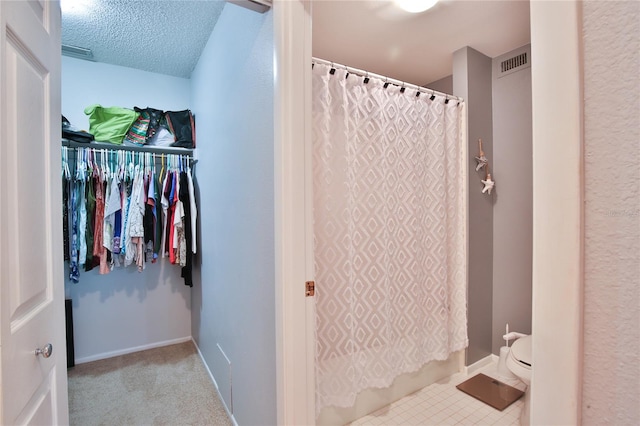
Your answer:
<point x="471" y="369"/>
<point x="213" y="379"/>
<point x="111" y="354"/>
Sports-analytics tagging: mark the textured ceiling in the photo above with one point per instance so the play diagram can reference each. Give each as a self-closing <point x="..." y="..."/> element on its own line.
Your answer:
<point x="167" y="36"/>
<point x="374" y="35"/>
<point x="161" y="36"/>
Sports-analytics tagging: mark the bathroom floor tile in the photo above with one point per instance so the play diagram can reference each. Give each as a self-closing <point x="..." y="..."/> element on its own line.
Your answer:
<point x="442" y="404"/>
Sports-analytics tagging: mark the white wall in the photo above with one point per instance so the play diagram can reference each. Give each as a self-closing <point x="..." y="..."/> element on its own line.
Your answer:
<point x="124" y="310"/>
<point x="234" y="281"/>
<point x="611" y="375"/>
<point x="85" y="83"/>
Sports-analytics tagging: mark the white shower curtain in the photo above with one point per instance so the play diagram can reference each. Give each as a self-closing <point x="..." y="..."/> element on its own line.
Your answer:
<point x="389" y="231"/>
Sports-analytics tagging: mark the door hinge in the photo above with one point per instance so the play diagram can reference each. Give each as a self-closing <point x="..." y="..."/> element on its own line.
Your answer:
<point x="310" y="288"/>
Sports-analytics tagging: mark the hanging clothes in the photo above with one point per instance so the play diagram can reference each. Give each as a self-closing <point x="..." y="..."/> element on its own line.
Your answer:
<point x="99" y="251"/>
<point x="65" y="220"/>
<point x="177" y="233"/>
<point x="74" y="272"/>
<point x="91" y="218"/>
<point x="81" y="178"/>
<point x="134" y="231"/>
<point x="82" y="223"/>
<point x="185" y="197"/>
<point x="166" y="192"/>
<point x="158" y="212"/>
<point x="149" y="218"/>
<point x="193" y="210"/>
<point x="113" y="205"/>
<point x="119" y="212"/>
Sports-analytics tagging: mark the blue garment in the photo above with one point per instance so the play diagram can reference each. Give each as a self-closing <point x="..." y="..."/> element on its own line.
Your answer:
<point x="117" y="232"/>
<point x="74" y="272"/>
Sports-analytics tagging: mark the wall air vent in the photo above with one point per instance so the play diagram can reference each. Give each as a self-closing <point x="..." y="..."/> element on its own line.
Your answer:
<point x="512" y="62"/>
<point x="516" y="61"/>
<point x="77" y="52"/>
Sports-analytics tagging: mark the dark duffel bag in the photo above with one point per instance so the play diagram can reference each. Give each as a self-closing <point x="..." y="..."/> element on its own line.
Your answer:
<point x="183" y="127"/>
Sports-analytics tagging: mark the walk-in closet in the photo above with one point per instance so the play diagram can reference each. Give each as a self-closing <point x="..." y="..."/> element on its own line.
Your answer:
<point x="229" y="88"/>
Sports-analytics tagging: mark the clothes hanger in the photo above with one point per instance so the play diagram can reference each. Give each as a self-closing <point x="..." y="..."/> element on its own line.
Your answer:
<point x="160" y="176"/>
<point x="79" y="170"/>
<point x="65" y="163"/>
<point x="130" y="173"/>
<point x="104" y="163"/>
<point x="89" y="159"/>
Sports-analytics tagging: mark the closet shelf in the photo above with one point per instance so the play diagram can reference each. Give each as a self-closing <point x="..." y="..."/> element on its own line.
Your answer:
<point x="106" y="145"/>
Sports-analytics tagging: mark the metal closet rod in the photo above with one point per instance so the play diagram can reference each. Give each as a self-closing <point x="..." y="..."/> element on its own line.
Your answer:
<point x="366" y="74"/>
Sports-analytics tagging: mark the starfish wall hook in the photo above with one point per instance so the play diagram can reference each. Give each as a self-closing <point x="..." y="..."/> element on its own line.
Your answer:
<point x="482" y="162"/>
<point x="481" y="159"/>
<point x="488" y="184"/>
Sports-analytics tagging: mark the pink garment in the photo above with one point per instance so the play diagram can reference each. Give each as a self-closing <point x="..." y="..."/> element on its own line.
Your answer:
<point x="172" y="228"/>
<point x="139" y="242"/>
<point x="98" y="247"/>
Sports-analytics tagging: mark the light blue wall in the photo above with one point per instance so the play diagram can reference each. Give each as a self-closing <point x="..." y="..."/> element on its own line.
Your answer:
<point x="85" y="83"/>
<point x="124" y="311"/>
<point x="233" y="299"/>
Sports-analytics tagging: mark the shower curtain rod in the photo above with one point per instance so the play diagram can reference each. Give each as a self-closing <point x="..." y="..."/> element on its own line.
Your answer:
<point x="390" y="80"/>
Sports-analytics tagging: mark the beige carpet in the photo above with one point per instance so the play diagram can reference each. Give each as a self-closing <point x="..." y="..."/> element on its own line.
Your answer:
<point x="162" y="386"/>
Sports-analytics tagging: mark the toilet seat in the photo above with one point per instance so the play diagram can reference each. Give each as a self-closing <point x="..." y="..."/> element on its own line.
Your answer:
<point x="519" y="360"/>
<point x="521" y="350"/>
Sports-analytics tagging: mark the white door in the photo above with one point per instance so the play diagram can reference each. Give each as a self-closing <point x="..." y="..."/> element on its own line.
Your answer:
<point x="33" y="387"/>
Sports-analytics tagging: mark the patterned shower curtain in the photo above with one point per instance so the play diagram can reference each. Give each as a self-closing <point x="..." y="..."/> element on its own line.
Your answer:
<point x="389" y="233"/>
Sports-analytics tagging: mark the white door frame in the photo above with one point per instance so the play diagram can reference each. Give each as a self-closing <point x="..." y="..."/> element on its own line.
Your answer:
<point x="292" y="26"/>
<point x="558" y="194"/>
<point x="295" y="339"/>
<point x="557" y="212"/>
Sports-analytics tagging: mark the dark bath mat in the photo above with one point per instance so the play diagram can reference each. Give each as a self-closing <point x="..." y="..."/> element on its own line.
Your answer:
<point x="490" y="391"/>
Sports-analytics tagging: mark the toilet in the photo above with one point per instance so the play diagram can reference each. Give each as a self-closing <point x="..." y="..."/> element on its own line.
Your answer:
<point x="519" y="363"/>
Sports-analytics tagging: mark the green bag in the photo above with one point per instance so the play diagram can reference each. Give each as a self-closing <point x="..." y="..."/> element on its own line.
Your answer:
<point x="110" y="124"/>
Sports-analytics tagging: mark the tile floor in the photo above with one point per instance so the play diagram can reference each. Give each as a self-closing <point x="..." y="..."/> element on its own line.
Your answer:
<point x="442" y="404"/>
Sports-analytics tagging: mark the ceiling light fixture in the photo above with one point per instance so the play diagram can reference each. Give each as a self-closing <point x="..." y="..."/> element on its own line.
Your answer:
<point x="77" y="7"/>
<point x="415" y="6"/>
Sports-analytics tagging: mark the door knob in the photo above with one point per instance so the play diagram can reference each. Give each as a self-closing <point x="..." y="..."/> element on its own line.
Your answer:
<point x="46" y="350"/>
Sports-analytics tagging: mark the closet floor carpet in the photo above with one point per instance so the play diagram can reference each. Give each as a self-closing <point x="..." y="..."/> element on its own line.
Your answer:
<point x="162" y="386"/>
